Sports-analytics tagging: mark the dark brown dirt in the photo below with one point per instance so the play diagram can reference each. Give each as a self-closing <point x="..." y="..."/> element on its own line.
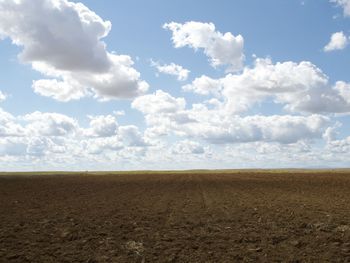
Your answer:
<point x="193" y="217"/>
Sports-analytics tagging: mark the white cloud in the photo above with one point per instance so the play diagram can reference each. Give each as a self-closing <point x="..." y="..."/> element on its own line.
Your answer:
<point x="12" y="146"/>
<point x="98" y="146"/>
<point x="37" y="146"/>
<point x="62" y="39"/>
<point x="2" y="96"/>
<point x="222" y="49"/>
<point x="283" y="129"/>
<point x="55" y="137"/>
<point x="214" y="138"/>
<point x="159" y="102"/>
<point x="9" y="125"/>
<point x="220" y="126"/>
<point x="343" y="89"/>
<point x="204" y="86"/>
<point x="339" y="146"/>
<point x="172" y="69"/>
<point x="187" y="147"/>
<point x="300" y="87"/>
<point x="331" y="133"/>
<point x="345" y="4"/>
<point x="338" y="41"/>
<point x="59" y="90"/>
<point x="115" y="142"/>
<point x="49" y="124"/>
<point x="162" y="111"/>
<point x="102" y="126"/>
<point x="264" y="155"/>
<point x="131" y="136"/>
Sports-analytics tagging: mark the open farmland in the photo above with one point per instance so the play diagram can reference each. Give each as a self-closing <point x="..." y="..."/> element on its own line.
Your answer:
<point x="194" y="216"/>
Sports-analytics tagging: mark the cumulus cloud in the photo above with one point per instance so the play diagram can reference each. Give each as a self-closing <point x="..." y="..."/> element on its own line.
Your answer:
<point x="263" y="154"/>
<point x="9" y="125"/>
<point x="162" y="111"/>
<point x="50" y="124"/>
<point x="171" y="69"/>
<point x="37" y="146"/>
<point x="222" y="49"/>
<point x="12" y="146"/>
<point x="131" y="136"/>
<point x="98" y="146"/>
<point x="210" y="138"/>
<point x="338" y="41"/>
<point x="2" y="96"/>
<point x="59" y="90"/>
<point x="187" y="147"/>
<point x="339" y="146"/>
<point x="159" y="102"/>
<point x="102" y="126"/>
<point x="55" y="136"/>
<point x="220" y="126"/>
<point x="345" y="4"/>
<point x="300" y="87"/>
<point x="284" y="129"/>
<point x="32" y="133"/>
<point x="343" y="89"/>
<point x="204" y="85"/>
<point x="63" y="40"/>
<point x="115" y="141"/>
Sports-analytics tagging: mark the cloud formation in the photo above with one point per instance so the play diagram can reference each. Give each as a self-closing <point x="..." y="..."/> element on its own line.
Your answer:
<point x="2" y="96"/>
<point x="63" y="41"/>
<point x="172" y="69"/>
<point x="299" y="87"/>
<point x="187" y="147"/>
<point x="102" y="126"/>
<point x="43" y="134"/>
<point x="203" y="136"/>
<point x="49" y="124"/>
<point x="222" y="49"/>
<point x="345" y="4"/>
<point x="338" y="41"/>
<point x="219" y="126"/>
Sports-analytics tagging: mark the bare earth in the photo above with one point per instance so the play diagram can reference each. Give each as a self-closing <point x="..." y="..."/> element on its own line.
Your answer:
<point x="176" y="217"/>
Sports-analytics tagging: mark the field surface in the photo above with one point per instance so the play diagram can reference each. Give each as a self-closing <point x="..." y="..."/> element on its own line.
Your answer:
<point x="209" y="216"/>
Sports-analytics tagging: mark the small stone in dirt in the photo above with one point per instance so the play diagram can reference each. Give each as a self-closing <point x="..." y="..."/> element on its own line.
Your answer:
<point x="258" y="249"/>
<point x="65" y="233"/>
<point x="322" y="227"/>
<point x="342" y="228"/>
<point x="45" y="221"/>
<point x="296" y="243"/>
<point x="134" y="246"/>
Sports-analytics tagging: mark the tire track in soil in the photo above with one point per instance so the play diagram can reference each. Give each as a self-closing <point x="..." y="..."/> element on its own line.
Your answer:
<point x="173" y="224"/>
<point x="167" y="202"/>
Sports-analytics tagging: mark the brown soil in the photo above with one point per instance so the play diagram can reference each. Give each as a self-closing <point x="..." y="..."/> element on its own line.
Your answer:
<point x="176" y="217"/>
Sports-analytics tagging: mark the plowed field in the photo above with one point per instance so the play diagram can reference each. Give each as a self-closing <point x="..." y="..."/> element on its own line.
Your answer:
<point x="176" y="217"/>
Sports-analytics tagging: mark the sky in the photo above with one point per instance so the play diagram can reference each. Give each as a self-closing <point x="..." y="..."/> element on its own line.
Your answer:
<point x="135" y="85"/>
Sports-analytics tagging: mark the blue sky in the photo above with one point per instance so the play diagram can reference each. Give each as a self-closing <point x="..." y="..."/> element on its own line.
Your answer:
<point x="174" y="85"/>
